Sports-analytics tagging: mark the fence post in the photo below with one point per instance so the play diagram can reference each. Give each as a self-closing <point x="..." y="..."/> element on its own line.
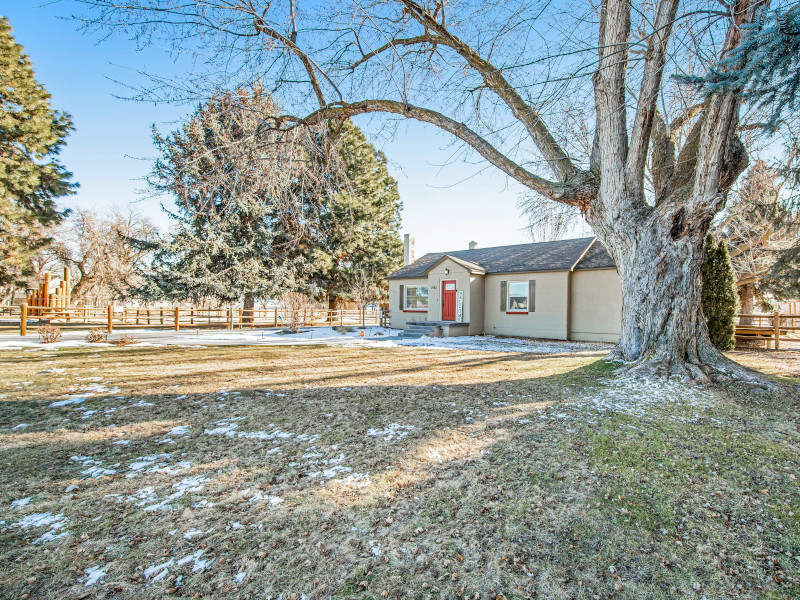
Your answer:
<point x="23" y="319"/>
<point x="177" y="318"/>
<point x="230" y="318"/>
<point x="110" y="318"/>
<point x="776" y="322"/>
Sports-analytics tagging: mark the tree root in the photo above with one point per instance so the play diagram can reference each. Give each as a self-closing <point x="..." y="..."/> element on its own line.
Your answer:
<point x="713" y="368"/>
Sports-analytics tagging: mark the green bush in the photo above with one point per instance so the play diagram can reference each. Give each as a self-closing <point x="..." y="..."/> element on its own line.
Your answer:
<point x="719" y="294"/>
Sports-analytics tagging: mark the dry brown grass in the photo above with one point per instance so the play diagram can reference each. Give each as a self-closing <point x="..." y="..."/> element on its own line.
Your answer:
<point x="507" y="483"/>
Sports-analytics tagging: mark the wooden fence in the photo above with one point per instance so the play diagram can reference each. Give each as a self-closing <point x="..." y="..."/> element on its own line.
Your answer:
<point x="177" y="317"/>
<point x="768" y="329"/>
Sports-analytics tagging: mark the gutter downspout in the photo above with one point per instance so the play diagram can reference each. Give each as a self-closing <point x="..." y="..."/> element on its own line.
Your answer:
<point x="569" y="288"/>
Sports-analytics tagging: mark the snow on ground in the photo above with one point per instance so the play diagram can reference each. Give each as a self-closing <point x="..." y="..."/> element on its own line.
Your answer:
<point x="205" y="337"/>
<point x="21" y="502"/>
<point x="373" y="336"/>
<point x="54" y="523"/>
<point x="491" y="343"/>
<point x="645" y="399"/>
<point x="93" y="575"/>
<point x="391" y="432"/>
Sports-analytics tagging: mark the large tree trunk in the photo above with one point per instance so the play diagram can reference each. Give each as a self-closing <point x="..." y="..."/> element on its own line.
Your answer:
<point x="746" y="302"/>
<point x="248" y="305"/>
<point x="663" y="329"/>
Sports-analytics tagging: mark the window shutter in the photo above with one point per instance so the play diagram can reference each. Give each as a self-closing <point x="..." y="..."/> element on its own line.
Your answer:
<point x="402" y="296"/>
<point x="503" y="296"/>
<point x="532" y="295"/>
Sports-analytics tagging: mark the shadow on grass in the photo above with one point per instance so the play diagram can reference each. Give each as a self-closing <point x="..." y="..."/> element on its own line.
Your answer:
<point x="470" y="491"/>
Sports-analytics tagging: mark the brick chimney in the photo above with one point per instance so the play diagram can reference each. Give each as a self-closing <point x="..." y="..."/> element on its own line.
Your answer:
<point x="408" y="249"/>
<point x="473" y="245"/>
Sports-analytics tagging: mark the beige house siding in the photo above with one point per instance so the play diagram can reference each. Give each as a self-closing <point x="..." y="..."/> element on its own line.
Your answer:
<point x="399" y="318"/>
<point x="596" y="311"/>
<point x="477" y="305"/>
<point x="548" y="320"/>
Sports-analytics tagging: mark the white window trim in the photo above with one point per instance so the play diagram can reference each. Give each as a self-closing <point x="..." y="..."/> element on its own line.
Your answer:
<point x="405" y="298"/>
<point x="527" y="296"/>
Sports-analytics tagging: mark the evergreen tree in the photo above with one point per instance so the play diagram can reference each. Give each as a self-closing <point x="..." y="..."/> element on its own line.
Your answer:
<point x="360" y="223"/>
<point x="247" y="204"/>
<point x="783" y="279"/>
<point x="719" y="294"/>
<point x="32" y="134"/>
<point x="758" y="225"/>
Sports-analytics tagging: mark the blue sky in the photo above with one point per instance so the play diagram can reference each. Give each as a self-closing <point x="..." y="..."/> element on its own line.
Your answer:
<point x="444" y="206"/>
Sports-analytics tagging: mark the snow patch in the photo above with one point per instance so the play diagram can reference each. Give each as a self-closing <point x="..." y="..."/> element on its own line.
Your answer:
<point x="70" y="400"/>
<point x="55" y="524"/>
<point x="394" y="431"/>
<point x="93" y="575"/>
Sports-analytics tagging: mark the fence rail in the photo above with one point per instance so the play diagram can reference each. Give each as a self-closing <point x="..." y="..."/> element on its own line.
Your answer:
<point x="178" y="317"/>
<point x="767" y="329"/>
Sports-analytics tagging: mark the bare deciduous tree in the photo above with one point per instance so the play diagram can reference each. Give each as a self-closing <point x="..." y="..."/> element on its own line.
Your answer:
<point x="491" y="74"/>
<point x="99" y="251"/>
<point x="365" y="288"/>
<point x="295" y="305"/>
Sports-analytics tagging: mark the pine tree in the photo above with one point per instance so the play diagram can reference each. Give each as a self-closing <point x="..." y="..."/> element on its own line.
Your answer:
<point x="360" y="223"/>
<point x="758" y="225"/>
<point x="247" y="206"/>
<point x="719" y="294"/>
<point x="783" y="279"/>
<point x="32" y="134"/>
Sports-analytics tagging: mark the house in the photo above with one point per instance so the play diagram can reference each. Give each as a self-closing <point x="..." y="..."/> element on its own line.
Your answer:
<point x="567" y="290"/>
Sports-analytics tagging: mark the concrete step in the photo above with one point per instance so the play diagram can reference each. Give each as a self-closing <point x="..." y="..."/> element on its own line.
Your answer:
<point x="418" y="331"/>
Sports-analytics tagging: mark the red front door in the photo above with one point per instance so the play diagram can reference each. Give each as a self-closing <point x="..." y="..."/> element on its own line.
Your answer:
<point x="448" y="301"/>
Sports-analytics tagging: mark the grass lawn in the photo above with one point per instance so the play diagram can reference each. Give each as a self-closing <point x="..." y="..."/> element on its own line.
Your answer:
<point x="346" y="472"/>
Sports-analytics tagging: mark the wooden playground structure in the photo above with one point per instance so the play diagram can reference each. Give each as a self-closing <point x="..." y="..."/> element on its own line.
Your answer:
<point x="42" y="300"/>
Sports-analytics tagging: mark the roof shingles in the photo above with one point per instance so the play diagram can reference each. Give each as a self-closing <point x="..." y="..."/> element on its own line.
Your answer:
<point x="520" y="258"/>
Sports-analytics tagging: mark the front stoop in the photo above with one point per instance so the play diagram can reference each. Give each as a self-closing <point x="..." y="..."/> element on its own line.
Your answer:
<point x="418" y="329"/>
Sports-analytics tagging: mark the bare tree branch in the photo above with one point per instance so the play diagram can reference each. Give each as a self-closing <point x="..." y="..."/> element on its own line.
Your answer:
<point x="655" y="58"/>
<point x="553" y="190"/>
<point x="557" y="159"/>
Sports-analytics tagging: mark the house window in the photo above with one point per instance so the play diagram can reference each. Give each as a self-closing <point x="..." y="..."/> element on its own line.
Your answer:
<point x="518" y="296"/>
<point x="416" y="297"/>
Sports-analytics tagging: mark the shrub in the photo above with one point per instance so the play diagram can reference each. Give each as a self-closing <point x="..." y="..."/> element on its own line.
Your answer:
<point x="49" y="333"/>
<point x="719" y="295"/>
<point x="295" y="306"/>
<point x="97" y="334"/>
<point x="124" y="340"/>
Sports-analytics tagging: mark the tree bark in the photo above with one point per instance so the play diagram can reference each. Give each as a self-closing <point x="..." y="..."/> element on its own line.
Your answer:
<point x="248" y="305"/>
<point x="663" y="329"/>
<point x="746" y="302"/>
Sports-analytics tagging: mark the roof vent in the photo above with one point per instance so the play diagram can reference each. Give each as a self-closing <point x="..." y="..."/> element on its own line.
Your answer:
<point x="473" y="245"/>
